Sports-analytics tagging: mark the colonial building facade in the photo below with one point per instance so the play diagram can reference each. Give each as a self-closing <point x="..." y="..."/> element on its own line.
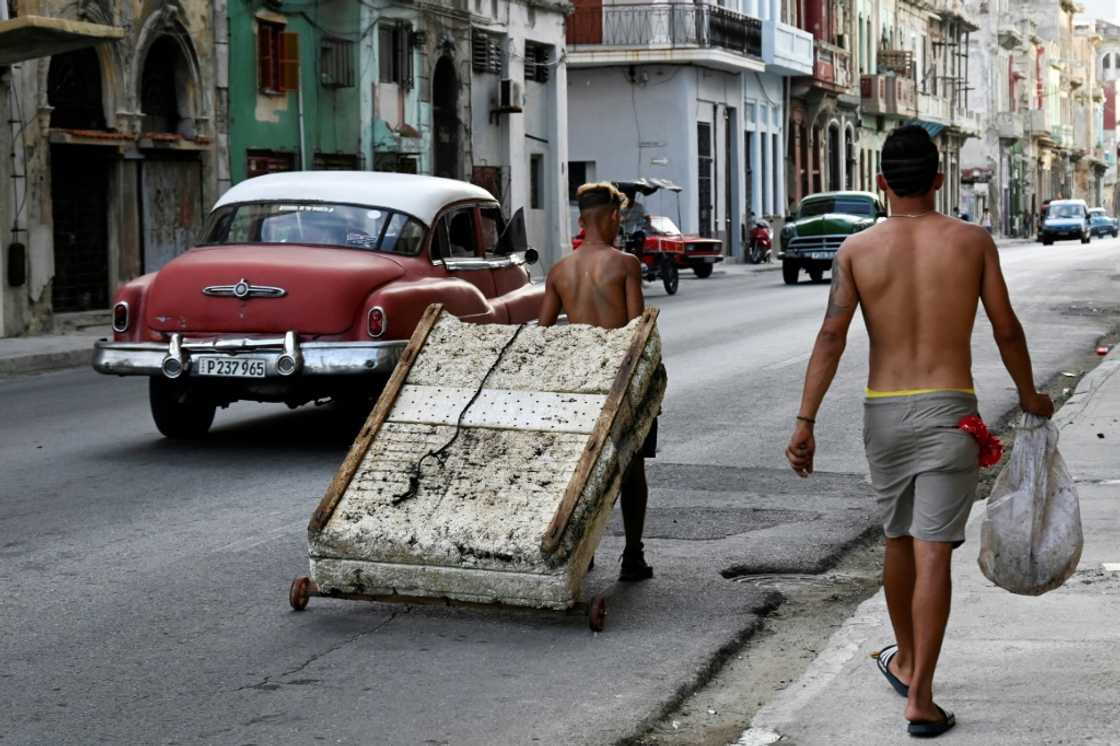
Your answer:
<point x="695" y="94"/>
<point x="108" y="144"/>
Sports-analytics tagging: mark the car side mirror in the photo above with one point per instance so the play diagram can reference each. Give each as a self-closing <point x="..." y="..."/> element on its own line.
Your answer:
<point x="514" y="238"/>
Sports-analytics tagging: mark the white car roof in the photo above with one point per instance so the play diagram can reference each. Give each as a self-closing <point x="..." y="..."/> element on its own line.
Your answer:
<point x="420" y="196"/>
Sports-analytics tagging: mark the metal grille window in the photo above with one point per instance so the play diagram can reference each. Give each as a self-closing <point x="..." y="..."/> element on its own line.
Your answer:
<point x="486" y="52"/>
<point x="704" y="176"/>
<point x="336" y="63"/>
<point x="538" y="58"/>
<point x="277" y="58"/>
<point x="394" y="52"/>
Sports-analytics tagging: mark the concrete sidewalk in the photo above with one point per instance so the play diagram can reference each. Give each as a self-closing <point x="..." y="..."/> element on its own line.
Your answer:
<point x="49" y="351"/>
<point x="1014" y="669"/>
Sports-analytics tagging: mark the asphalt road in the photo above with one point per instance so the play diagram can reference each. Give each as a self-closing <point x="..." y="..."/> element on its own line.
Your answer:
<point x="146" y="580"/>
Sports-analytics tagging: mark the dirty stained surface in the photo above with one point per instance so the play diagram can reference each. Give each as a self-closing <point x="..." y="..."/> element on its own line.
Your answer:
<point x="461" y="511"/>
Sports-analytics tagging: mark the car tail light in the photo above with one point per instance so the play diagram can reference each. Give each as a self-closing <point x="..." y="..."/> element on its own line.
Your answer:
<point x="376" y="323"/>
<point x="120" y="317"/>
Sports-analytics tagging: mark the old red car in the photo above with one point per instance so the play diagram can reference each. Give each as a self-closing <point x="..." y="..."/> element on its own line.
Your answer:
<point x="307" y="285"/>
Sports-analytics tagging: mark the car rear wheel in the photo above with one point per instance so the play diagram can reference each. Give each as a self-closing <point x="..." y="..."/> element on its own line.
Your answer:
<point x="816" y="275"/>
<point x="1047" y="242"/>
<point x="1085" y="239"/>
<point x="790" y="271"/>
<point x="702" y="270"/>
<point x="176" y="412"/>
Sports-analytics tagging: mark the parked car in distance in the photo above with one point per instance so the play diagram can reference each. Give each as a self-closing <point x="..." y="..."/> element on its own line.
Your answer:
<point x="1100" y="224"/>
<point x="813" y="233"/>
<point x="1065" y="219"/>
<point x="690" y="251"/>
<point x="307" y="286"/>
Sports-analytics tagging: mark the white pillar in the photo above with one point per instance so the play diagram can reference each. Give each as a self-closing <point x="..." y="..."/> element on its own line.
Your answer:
<point x="776" y="10"/>
<point x="756" y="166"/>
<point x="781" y="201"/>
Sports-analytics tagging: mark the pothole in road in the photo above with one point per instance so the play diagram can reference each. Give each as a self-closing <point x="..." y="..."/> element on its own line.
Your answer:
<point x="707" y="524"/>
<point x="789" y="583"/>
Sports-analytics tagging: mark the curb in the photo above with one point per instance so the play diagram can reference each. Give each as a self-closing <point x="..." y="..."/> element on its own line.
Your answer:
<point x="39" y="362"/>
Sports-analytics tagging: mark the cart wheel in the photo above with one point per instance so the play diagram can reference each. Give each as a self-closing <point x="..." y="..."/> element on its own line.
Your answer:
<point x="300" y="592"/>
<point x="670" y="276"/>
<point x="597" y="614"/>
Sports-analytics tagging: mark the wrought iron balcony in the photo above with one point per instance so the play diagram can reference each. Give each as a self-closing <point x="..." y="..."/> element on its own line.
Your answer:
<point x="665" y="26"/>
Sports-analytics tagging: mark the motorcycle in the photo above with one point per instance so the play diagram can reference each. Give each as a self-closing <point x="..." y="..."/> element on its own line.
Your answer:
<point x="760" y="243"/>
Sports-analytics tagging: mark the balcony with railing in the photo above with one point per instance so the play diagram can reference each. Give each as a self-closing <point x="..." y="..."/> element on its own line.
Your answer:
<point x="887" y="95"/>
<point x="664" y="32"/>
<point x="831" y="67"/>
<point x="787" y="49"/>
<point x="1038" y="124"/>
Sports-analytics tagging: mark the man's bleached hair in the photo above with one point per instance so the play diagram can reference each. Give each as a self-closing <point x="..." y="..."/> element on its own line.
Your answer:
<point x="600" y="194"/>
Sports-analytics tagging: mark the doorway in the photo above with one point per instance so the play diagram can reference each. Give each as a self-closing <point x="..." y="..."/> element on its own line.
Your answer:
<point x="170" y="207"/>
<point x="79" y="202"/>
<point x="445" y="118"/>
<point x="834" y="164"/>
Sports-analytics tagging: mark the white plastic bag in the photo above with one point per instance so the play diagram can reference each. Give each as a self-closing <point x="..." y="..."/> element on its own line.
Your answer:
<point x="1031" y="540"/>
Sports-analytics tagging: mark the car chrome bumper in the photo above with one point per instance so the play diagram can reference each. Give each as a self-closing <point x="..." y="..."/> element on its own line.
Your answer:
<point x="280" y="353"/>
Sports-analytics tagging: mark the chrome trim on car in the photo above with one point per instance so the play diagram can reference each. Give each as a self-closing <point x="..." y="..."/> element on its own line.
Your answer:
<point x="384" y="322"/>
<point x="311" y="358"/>
<point x="127" y="316"/>
<point x="243" y="289"/>
<point x="174" y="362"/>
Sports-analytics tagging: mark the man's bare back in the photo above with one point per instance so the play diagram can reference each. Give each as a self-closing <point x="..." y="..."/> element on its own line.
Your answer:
<point x="918" y="281"/>
<point x="597" y="285"/>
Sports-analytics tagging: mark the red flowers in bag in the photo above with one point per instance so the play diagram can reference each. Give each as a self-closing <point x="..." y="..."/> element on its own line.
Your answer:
<point x="991" y="447"/>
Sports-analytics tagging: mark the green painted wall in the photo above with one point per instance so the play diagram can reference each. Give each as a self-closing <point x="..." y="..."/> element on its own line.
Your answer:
<point x="270" y="122"/>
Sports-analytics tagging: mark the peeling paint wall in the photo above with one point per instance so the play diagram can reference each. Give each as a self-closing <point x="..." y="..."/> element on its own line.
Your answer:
<point x="28" y="309"/>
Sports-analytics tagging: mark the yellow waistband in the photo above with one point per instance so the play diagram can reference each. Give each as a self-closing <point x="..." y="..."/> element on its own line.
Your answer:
<point x="872" y="394"/>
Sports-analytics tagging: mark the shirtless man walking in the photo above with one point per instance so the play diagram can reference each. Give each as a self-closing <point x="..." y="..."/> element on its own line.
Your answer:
<point x="917" y="278"/>
<point x="602" y="286"/>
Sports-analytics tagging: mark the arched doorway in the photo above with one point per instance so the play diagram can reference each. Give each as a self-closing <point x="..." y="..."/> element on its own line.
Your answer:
<point x="160" y="86"/>
<point x="170" y="179"/>
<point x="79" y="186"/>
<point x="445" y="118"/>
<point x="849" y="157"/>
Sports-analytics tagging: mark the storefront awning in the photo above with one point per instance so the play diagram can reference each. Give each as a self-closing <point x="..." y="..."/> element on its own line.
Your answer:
<point x="933" y="128"/>
<point x="29" y="37"/>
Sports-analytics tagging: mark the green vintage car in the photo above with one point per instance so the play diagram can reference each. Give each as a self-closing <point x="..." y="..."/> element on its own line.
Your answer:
<point x="813" y="234"/>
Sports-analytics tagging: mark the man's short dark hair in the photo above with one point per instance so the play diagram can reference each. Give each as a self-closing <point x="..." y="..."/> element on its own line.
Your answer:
<point x="910" y="161"/>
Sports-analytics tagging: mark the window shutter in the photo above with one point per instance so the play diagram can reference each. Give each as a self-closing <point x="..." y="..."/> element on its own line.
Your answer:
<point x="289" y="61"/>
<point x="264" y="58"/>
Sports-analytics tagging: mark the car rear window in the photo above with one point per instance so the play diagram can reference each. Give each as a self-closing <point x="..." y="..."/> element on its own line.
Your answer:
<point x="843" y="205"/>
<point x="315" y="224"/>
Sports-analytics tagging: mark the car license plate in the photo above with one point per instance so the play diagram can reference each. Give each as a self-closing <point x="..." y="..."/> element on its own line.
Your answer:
<point x="229" y="367"/>
<point x="821" y="255"/>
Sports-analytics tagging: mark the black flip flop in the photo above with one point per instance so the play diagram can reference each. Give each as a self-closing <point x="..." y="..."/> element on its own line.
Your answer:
<point x="883" y="660"/>
<point x="932" y="728"/>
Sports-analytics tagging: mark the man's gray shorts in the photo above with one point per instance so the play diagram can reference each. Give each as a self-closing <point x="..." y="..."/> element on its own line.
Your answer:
<point x="924" y="468"/>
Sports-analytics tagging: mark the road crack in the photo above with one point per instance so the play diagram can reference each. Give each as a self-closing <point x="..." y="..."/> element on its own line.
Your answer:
<point x="271" y="682"/>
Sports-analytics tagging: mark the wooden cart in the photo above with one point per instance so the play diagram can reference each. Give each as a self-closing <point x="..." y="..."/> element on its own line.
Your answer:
<point x="487" y="471"/>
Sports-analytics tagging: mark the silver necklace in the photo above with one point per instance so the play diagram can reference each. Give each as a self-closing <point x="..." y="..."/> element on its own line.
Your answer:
<point x="912" y="215"/>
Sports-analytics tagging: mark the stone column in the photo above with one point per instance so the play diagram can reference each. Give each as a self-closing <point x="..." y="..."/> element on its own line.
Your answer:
<point x="780" y="198"/>
<point x="842" y="160"/>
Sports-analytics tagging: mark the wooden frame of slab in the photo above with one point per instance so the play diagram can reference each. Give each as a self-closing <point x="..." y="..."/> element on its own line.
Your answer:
<point x="604" y="429"/>
<point x="375" y="420"/>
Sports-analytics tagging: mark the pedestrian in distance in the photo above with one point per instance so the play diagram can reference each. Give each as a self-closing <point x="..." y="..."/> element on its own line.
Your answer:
<point x="917" y="278"/>
<point x="602" y="286"/>
<point x="986" y="221"/>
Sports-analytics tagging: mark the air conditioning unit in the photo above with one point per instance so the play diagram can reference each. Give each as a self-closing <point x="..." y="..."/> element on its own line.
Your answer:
<point x="509" y="96"/>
